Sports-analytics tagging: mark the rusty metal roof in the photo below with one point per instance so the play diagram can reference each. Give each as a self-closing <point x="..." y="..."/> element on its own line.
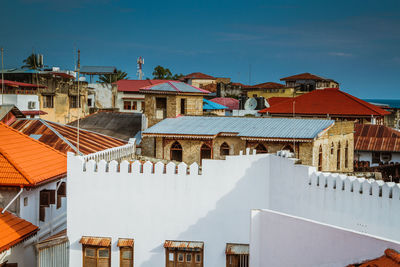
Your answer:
<point x="64" y="137"/>
<point x="96" y="241"/>
<point x="56" y="239"/>
<point x="125" y="242"/>
<point x="371" y="137"/>
<point x="183" y="244"/>
<point x="237" y="249"/>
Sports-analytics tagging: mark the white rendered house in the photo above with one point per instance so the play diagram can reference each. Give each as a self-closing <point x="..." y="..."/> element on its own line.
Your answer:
<point x="157" y="215"/>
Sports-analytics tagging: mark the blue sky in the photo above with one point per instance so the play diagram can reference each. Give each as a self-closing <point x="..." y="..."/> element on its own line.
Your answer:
<point x="354" y="42"/>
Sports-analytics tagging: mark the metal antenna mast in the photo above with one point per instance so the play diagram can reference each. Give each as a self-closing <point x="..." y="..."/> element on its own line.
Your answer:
<point x="2" y="77"/>
<point x="140" y="62"/>
<point x="79" y="100"/>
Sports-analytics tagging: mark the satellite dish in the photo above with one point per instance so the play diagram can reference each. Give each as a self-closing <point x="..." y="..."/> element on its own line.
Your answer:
<point x="251" y="104"/>
<point x="266" y="103"/>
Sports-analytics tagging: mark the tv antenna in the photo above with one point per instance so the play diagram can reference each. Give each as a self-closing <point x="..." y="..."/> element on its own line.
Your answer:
<point x="140" y="62"/>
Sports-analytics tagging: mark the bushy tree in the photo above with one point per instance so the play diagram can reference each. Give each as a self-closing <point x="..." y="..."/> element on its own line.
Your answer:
<point x="161" y="73"/>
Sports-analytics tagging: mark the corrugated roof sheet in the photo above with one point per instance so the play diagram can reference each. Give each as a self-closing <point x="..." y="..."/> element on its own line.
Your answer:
<point x="53" y="240"/>
<point x="135" y="85"/>
<point x="19" y="84"/>
<point x="371" y="137"/>
<point x="98" y="69"/>
<point x="210" y="105"/>
<point x="183" y="244"/>
<point x="25" y="161"/>
<point x="330" y="101"/>
<point x="174" y="87"/>
<point x="5" y="109"/>
<point x="14" y="230"/>
<point x="245" y="127"/>
<point x="267" y="85"/>
<point x="305" y="76"/>
<point x="228" y="102"/>
<point x="237" y="249"/>
<point x="125" y="242"/>
<point x="121" y="125"/>
<point x="96" y="241"/>
<point x="64" y="137"/>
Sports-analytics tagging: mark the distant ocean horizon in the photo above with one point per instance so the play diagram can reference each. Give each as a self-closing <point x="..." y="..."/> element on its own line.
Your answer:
<point x="393" y="103"/>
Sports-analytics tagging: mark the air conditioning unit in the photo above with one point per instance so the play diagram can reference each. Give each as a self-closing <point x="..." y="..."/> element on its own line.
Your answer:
<point x="31" y="104"/>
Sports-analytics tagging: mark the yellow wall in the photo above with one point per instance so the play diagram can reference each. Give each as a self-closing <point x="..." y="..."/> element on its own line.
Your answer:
<point x="267" y="93"/>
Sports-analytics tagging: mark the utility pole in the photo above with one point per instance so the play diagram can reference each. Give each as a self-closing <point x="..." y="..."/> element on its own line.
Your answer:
<point x="2" y="77"/>
<point x="79" y="99"/>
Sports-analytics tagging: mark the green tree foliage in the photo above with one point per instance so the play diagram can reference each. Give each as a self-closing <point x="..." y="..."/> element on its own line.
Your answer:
<point x="31" y="62"/>
<point x="112" y="78"/>
<point x="161" y="73"/>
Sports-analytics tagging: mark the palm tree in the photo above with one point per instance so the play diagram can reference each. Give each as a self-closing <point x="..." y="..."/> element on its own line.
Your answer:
<point x="31" y="62"/>
<point x="112" y="78"/>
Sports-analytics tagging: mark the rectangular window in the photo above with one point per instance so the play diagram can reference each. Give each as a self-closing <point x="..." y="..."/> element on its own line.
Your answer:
<point x="96" y="256"/>
<point x="125" y="252"/>
<point x="161" y="108"/>
<point x="183" y="106"/>
<point x="127" y="105"/>
<point x="179" y="253"/>
<point x="61" y="192"/>
<point x="73" y="101"/>
<point x="376" y="157"/>
<point x="237" y="255"/>
<point x="48" y="101"/>
<point x="89" y="102"/>
<point x="143" y="106"/>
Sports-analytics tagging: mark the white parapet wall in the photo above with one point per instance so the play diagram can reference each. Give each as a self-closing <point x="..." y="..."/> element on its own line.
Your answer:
<point x="279" y="239"/>
<point x="153" y="203"/>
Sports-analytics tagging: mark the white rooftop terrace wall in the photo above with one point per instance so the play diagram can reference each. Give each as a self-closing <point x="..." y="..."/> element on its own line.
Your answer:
<point x="279" y="239"/>
<point x="133" y="201"/>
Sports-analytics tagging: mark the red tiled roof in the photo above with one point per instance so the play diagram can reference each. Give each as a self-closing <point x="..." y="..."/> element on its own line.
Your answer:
<point x="198" y="75"/>
<point x="391" y="258"/>
<point x="25" y="161"/>
<point x="304" y="76"/>
<point x="276" y="99"/>
<point x="135" y="85"/>
<point x="267" y="85"/>
<point x="370" y="137"/>
<point x="60" y="136"/>
<point x="330" y="101"/>
<point x="228" y="102"/>
<point x="14" y="230"/>
<point x="19" y="84"/>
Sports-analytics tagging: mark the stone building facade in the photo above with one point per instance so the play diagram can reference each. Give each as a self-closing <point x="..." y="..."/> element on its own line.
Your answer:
<point x="58" y="94"/>
<point x="332" y="150"/>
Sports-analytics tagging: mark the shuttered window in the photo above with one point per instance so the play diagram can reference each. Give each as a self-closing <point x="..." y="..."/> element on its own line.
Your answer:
<point x="125" y="252"/>
<point x="96" y="256"/>
<point x="183" y="253"/>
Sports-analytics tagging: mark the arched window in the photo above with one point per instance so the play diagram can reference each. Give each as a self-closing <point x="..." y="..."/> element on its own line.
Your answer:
<point x="176" y="151"/>
<point x="224" y="149"/>
<point x="320" y="158"/>
<point x="338" y="157"/>
<point x="205" y="152"/>
<point x="332" y="148"/>
<point x="288" y="147"/>
<point x="260" y="148"/>
<point x="346" y="155"/>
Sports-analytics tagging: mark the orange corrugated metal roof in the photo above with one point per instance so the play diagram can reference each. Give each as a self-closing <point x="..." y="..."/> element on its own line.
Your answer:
<point x="372" y="137"/>
<point x="96" y="241"/>
<point x="125" y="242"/>
<point x="183" y="244"/>
<point x="14" y="230"/>
<point x="25" y="161"/>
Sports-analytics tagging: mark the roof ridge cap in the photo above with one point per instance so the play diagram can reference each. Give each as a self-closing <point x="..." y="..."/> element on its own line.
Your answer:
<point x="173" y="86"/>
<point x="16" y="166"/>
<point x="31" y="139"/>
<point x="44" y="122"/>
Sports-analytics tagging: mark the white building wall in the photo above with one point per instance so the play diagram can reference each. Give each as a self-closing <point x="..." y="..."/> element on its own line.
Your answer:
<point x="55" y="221"/>
<point x="367" y="156"/>
<point x="139" y="98"/>
<point x="214" y="207"/>
<point x="20" y="101"/>
<point x="102" y="95"/>
<point x="282" y="240"/>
